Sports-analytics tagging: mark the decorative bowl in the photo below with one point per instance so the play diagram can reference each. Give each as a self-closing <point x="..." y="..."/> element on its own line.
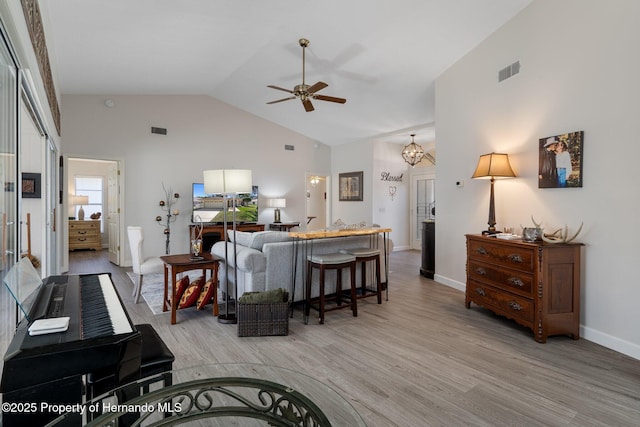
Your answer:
<point x="530" y="234"/>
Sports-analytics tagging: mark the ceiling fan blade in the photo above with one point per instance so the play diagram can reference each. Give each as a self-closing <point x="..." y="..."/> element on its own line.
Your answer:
<point x="308" y="106"/>
<point x="330" y="99"/>
<point x="316" y="87"/>
<point x="280" y="88"/>
<point x="280" y="100"/>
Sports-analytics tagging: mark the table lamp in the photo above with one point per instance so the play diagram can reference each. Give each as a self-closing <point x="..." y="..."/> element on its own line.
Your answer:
<point x="277" y="204"/>
<point x="80" y="200"/>
<point x="492" y="166"/>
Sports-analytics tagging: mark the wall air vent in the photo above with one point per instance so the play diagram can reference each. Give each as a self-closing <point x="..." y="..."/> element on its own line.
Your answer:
<point x="509" y="71"/>
<point x="289" y="147"/>
<point x="159" y="131"/>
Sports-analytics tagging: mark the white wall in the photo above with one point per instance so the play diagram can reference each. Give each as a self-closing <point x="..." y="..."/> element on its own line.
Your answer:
<point x="579" y="66"/>
<point x="203" y="133"/>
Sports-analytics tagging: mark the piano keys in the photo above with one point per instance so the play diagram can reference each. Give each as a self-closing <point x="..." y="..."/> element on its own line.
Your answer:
<point x="49" y="368"/>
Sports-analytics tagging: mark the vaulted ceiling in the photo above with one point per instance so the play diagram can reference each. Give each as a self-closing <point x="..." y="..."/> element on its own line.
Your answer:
<point x="381" y="55"/>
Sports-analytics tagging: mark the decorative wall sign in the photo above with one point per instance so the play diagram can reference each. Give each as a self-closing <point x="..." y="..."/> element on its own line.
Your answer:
<point x="350" y="187"/>
<point x="30" y="185"/>
<point x="560" y="164"/>
<point x="386" y="176"/>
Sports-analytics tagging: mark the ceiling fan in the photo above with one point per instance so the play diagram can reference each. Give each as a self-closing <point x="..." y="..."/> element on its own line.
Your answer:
<point x="305" y="92"/>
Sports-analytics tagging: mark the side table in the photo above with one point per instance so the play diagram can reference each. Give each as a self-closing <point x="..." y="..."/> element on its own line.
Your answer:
<point x="283" y="226"/>
<point x="180" y="264"/>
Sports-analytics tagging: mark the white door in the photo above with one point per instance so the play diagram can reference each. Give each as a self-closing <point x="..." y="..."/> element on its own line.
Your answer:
<point x="316" y="206"/>
<point x="423" y="203"/>
<point x="113" y="216"/>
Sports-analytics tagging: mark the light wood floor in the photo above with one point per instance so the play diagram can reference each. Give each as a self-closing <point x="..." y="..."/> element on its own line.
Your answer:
<point x="419" y="359"/>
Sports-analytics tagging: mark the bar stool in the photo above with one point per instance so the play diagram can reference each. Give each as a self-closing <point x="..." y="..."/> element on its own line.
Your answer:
<point x="363" y="255"/>
<point x="156" y="358"/>
<point x="333" y="261"/>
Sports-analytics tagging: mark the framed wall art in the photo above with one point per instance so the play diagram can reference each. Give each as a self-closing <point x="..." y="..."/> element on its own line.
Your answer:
<point x="560" y="160"/>
<point x="350" y="187"/>
<point x="31" y="185"/>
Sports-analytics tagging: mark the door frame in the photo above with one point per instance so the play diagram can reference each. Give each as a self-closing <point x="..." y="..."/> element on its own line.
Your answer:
<point x="428" y="172"/>
<point x="120" y="164"/>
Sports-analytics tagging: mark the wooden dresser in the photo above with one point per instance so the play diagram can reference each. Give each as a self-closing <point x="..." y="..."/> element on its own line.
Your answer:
<point x="535" y="284"/>
<point x="84" y="234"/>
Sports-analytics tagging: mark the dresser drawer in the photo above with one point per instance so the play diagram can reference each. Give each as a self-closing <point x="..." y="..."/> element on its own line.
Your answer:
<point x="507" y="279"/>
<point x="520" y="257"/>
<point x="506" y="304"/>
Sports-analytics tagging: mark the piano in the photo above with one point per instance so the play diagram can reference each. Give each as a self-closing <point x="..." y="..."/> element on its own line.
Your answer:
<point x="49" y="368"/>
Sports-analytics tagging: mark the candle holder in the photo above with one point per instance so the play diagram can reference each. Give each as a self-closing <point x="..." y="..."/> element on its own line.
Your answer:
<point x="171" y="214"/>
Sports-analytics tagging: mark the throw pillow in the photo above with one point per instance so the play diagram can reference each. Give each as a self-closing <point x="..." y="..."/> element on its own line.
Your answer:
<point x="206" y="294"/>
<point x="181" y="286"/>
<point x="192" y="293"/>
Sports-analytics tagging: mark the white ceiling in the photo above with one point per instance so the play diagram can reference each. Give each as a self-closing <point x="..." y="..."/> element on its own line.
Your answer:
<point x="381" y="55"/>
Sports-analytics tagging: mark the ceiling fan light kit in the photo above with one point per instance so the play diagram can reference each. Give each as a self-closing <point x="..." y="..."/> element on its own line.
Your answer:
<point x="303" y="91"/>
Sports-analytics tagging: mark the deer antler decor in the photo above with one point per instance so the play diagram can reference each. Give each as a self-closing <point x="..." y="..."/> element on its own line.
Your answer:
<point x="558" y="236"/>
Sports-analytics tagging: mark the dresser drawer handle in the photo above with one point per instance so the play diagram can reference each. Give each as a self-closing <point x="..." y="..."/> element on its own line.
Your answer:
<point x="82" y="232"/>
<point x="515" y="258"/>
<point x="482" y="251"/>
<point x="515" y="306"/>
<point x="481" y="271"/>
<point x="515" y="281"/>
<point x="480" y="291"/>
<point x="82" y="239"/>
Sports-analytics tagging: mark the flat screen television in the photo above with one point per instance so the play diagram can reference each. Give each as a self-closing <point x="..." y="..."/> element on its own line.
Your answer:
<point x="209" y="207"/>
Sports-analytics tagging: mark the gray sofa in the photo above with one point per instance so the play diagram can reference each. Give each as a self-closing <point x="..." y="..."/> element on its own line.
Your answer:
<point x="265" y="261"/>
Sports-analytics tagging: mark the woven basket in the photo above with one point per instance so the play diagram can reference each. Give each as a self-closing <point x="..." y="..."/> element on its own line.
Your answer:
<point x="256" y="320"/>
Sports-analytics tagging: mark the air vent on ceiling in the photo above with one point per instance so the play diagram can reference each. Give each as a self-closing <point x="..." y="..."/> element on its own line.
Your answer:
<point x="509" y="71"/>
<point x="159" y="131"/>
<point x="289" y="147"/>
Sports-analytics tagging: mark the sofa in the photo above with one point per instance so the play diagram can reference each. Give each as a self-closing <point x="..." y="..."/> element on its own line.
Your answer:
<point x="265" y="261"/>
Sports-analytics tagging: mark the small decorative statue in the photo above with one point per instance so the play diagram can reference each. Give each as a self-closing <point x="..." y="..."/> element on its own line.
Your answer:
<point x="171" y="199"/>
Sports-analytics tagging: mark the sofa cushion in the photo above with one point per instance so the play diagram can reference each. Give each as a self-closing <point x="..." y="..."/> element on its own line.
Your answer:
<point x="242" y="237"/>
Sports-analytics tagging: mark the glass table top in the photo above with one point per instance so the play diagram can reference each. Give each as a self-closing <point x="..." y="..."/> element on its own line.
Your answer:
<point x="221" y="395"/>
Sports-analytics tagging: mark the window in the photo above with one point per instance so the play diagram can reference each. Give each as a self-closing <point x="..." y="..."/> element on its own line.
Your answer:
<point x="90" y="186"/>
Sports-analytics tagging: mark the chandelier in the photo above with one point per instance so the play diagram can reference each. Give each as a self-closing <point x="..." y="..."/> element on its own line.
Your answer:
<point x="412" y="153"/>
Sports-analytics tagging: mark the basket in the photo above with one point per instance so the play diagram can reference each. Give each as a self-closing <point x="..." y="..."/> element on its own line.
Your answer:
<point x="255" y="320"/>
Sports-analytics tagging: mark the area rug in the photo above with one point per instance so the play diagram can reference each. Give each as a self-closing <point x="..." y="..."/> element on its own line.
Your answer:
<point x="153" y="289"/>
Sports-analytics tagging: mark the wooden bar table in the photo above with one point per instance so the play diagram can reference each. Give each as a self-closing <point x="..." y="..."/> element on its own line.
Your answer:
<point x="309" y="236"/>
<point x="186" y="262"/>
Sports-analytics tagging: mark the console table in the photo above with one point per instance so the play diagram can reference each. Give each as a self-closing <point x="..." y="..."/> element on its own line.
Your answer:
<point x="307" y="238"/>
<point x="535" y="284"/>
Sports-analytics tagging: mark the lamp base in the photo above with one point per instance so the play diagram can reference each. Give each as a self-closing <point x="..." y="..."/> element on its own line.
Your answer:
<point x="227" y="318"/>
<point x="276" y="216"/>
<point x="80" y="214"/>
<point x="489" y="232"/>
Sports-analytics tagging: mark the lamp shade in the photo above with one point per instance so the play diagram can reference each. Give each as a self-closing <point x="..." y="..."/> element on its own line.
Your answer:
<point x="493" y="165"/>
<point x="79" y="200"/>
<point x="277" y="203"/>
<point x="227" y="181"/>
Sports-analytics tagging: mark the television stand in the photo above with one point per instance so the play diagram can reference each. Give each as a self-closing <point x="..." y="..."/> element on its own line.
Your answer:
<point x="218" y="228"/>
